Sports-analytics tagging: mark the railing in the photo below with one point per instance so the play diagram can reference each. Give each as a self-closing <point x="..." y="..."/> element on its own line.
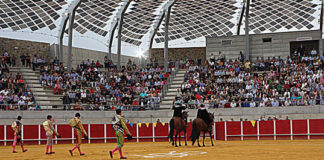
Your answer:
<point x="97" y="133"/>
<point x="74" y="107"/>
<point x="272" y="129"/>
<point x="110" y="106"/>
<point x="256" y="102"/>
<point x="154" y="132"/>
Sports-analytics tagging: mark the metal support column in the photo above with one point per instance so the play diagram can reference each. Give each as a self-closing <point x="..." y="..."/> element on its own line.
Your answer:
<point x="157" y="23"/>
<point x="166" y="39"/>
<point x="321" y="47"/>
<point x="65" y="17"/>
<point x="60" y="37"/>
<point x="70" y="32"/>
<point x="241" y="18"/>
<point x="111" y="38"/>
<point x="60" y="55"/>
<point x="120" y="26"/>
<point x="109" y="53"/>
<point x="247" y="34"/>
<point x="114" y="24"/>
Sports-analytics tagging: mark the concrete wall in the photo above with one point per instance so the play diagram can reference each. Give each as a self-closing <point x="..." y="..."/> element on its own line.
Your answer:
<point x="79" y="54"/>
<point x="18" y="47"/>
<point x="175" y="54"/>
<point x="45" y="50"/>
<point x="36" y="117"/>
<point x="280" y="45"/>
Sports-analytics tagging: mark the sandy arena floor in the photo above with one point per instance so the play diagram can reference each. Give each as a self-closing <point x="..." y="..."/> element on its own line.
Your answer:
<point x="231" y="150"/>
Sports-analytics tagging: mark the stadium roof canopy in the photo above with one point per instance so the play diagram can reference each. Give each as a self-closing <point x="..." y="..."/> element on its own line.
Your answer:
<point x="190" y="21"/>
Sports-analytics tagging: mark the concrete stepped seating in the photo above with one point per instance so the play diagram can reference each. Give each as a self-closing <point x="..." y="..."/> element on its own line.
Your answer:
<point x="182" y="71"/>
<point x="180" y="78"/>
<point x="175" y="84"/>
<point x="168" y="98"/>
<point x="180" y="75"/>
<point x="165" y="106"/>
<point x="171" y="94"/>
<point x="167" y="102"/>
<point x="43" y="96"/>
<point x="41" y="89"/>
<point x="33" y="81"/>
<point x="172" y="90"/>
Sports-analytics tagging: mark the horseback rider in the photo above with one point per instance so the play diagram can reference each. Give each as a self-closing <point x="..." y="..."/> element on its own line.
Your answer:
<point x="178" y="107"/>
<point x="203" y="114"/>
<point x="178" y="122"/>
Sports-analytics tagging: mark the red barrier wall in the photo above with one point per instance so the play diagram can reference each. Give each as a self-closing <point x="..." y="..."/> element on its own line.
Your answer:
<point x="220" y="127"/>
<point x="9" y="134"/>
<point x="160" y="132"/>
<point x="278" y="129"/>
<point x="316" y="127"/>
<point x="2" y="135"/>
<point x="249" y="130"/>
<point x="299" y="127"/>
<point x="266" y="130"/>
<point x="100" y="133"/>
<point x="283" y="129"/>
<point x="66" y="133"/>
<point x="233" y="128"/>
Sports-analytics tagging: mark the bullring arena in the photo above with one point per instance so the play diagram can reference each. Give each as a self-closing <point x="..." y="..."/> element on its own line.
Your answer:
<point x="110" y="79"/>
<point x="262" y="150"/>
<point x="280" y="139"/>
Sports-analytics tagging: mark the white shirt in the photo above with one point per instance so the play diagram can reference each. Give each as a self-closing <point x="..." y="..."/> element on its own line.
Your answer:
<point x="84" y="95"/>
<point x="252" y="104"/>
<point x="233" y="104"/>
<point x="313" y="52"/>
<point x="5" y="92"/>
<point x="21" y="102"/>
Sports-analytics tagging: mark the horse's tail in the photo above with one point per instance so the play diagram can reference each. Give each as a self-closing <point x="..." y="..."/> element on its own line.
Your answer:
<point x="194" y="132"/>
<point x="171" y="129"/>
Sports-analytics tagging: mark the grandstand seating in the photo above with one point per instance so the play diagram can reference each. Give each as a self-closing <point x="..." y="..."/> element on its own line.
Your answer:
<point x="14" y="93"/>
<point x="131" y="88"/>
<point x="217" y="81"/>
<point x="272" y="82"/>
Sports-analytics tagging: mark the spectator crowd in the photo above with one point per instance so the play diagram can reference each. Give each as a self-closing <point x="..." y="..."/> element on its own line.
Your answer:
<point x="93" y="86"/>
<point x="296" y="80"/>
<point x="14" y="94"/>
<point x="267" y="82"/>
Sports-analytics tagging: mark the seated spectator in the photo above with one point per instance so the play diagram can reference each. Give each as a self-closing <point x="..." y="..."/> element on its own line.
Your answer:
<point x="77" y="106"/>
<point x="246" y="103"/>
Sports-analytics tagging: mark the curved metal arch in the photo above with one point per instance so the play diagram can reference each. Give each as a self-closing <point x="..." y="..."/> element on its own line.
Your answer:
<point x="158" y="21"/>
<point x="247" y="31"/>
<point x="241" y="17"/>
<point x="321" y="47"/>
<point x="67" y="15"/>
<point x="118" y="17"/>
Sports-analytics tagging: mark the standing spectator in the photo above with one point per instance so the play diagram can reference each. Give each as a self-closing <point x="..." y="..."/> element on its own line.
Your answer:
<point x="313" y="52"/>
